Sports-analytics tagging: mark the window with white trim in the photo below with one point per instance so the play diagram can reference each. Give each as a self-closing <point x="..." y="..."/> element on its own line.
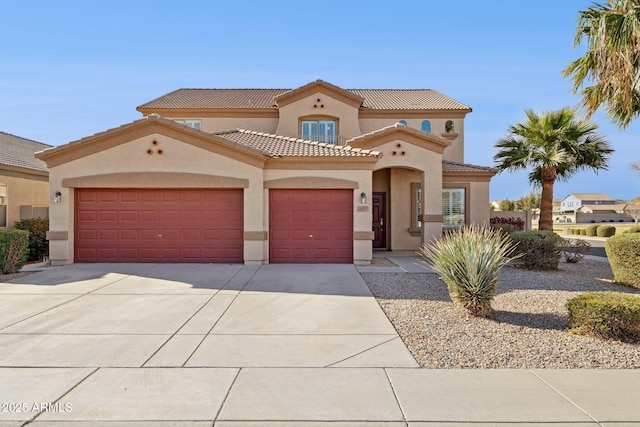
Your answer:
<point x="192" y="123"/>
<point x="453" y="207"/>
<point x="318" y="130"/>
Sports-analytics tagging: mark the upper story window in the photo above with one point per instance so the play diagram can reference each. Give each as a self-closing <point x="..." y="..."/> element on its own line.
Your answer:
<point x="426" y="126"/>
<point x="319" y="130"/>
<point x="192" y="123"/>
<point x="402" y="122"/>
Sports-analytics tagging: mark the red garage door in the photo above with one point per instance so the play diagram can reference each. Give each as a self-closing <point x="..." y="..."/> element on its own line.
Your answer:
<point x="311" y="226"/>
<point x="158" y="225"/>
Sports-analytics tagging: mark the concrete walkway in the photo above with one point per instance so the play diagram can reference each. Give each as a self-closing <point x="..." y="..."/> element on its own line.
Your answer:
<point x="233" y="345"/>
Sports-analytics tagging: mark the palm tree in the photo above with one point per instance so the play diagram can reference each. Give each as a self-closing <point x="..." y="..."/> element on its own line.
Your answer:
<point x="611" y="62"/>
<point x="554" y="145"/>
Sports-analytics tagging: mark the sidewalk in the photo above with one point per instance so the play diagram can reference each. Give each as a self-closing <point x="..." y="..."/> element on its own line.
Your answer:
<point x="319" y="396"/>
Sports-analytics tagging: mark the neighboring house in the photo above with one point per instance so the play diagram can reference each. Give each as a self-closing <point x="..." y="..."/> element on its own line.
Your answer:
<point x="24" y="180"/>
<point x="605" y="208"/>
<point x="618" y="212"/>
<point x="573" y="201"/>
<point x="317" y="174"/>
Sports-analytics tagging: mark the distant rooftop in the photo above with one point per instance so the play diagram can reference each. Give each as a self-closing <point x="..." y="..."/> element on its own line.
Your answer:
<point x="592" y="196"/>
<point x="19" y="152"/>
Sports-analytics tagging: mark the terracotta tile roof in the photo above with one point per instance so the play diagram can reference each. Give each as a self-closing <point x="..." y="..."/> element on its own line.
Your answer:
<point x="398" y="126"/>
<point x="19" y="152"/>
<point x="448" y="166"/>
<point x="407" y="99"/>
<point x="217" y="98"/>
<point x="282" y="146"/>
<point x="258" y="143"/>
<point x="374" y="99"/>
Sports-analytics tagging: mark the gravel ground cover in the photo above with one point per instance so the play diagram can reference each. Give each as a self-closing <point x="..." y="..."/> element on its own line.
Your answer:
<point x="527" y="331"/>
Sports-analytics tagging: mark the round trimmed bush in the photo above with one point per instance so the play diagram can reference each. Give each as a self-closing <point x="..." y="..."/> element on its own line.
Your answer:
<point x="583" y="231"/>
<point x="623" y="252"/>
<point x="632" y="230"/>
<point x="538" y="250"/>
<point x="606" y="231"/>
<point x="605" y="315"/>
<point x="592" y="229"/>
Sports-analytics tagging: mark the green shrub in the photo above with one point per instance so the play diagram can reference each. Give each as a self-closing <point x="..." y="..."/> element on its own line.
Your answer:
<point x="14" y="247"/>
<point x="38" y="243"/>
<point x="606" y="231"/>
<point x="592" y="229"/>
<point x="468" y="260"/>
<point x="540" y="250"/>
<point x="632" y="230"/>
<point x="623" y="252"/>
<point x="606" y="315"/>
<point x="583" y="231"/>
<point x="575" y="249"/>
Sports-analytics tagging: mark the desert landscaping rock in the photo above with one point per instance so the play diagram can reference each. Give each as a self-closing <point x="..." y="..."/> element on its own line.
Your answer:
<point x="527" y="331"/>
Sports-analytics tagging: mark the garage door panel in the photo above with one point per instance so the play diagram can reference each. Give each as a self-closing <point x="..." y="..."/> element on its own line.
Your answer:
<point x="126" y="216"/>
<point x="325" y="215"/>
<point x="88" y="215"/>
<point x="159" y="225"/>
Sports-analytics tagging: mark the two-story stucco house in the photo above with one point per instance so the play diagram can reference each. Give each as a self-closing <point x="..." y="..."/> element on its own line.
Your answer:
<point x="316" y="174"/>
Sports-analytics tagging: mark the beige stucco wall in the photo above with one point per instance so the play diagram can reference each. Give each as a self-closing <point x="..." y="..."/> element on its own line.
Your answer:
<point x="211" y="124"/>
<point x="132" y="157"/>
<point x="400" y="204"/>
<point x="479" y="203"/>
<point x="327" y="107"/>
<point x="23" y="189"/>
<point x="417" y="164"/>
<point x="454" y="153"/>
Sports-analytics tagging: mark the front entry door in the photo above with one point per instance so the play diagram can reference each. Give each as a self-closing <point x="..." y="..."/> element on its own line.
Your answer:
<point x="379" y="220"/>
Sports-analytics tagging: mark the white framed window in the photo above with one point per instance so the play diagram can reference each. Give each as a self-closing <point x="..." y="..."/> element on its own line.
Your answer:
<point x="319" y="130"/>
<point x="453" y="207"/>
<point x="192" y="123"/>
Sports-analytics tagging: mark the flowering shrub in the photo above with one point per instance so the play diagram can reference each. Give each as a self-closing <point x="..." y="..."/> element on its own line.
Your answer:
<point x="507" y="224"/>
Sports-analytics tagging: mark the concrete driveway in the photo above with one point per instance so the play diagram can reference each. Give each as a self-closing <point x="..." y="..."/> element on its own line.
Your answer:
<point x="195" y="315"/>
<point x="232" y="345"/>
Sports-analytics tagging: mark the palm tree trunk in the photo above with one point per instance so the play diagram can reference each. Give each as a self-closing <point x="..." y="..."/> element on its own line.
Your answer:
<point x="548" y="176"/>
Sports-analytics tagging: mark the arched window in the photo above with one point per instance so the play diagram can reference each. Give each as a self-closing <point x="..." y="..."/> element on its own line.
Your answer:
<point x="402" y="122"/>
<point x="426" y="126"/>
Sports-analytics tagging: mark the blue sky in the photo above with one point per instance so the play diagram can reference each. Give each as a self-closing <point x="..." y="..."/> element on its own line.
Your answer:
<point x="70" y="69"/>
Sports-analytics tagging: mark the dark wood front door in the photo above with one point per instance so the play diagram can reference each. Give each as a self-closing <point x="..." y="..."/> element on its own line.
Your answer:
<point x="379" y="220"/>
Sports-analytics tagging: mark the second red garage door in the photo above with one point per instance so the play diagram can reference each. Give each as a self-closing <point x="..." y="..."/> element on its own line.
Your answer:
<point x="158" y="225"/>
<point x="310" y="226"/>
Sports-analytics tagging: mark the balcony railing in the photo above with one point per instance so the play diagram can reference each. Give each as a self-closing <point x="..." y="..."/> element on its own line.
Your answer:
<point x="328" y="139"/>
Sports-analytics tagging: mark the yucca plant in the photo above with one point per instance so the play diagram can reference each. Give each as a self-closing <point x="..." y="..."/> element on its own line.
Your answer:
<point x="468" y="260"/>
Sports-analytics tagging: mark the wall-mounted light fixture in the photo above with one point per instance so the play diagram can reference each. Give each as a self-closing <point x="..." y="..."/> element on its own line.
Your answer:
<point x="57" y="197"/>
<point x="363" y="197"/>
